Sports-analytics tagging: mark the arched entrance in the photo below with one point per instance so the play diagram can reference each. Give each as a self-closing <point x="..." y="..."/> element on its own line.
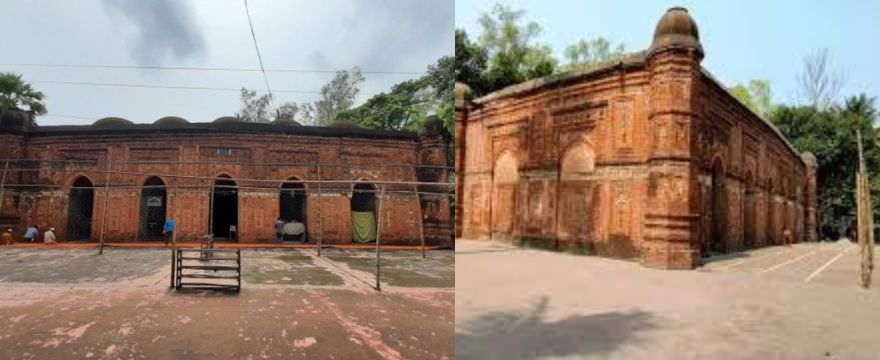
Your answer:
<point x="79" y="212"/>
<point x="153" y="207"/>
<point x="292" y="206"/>
<point x="504" y="180"/>
<point x="771" y="215"/>
<point x="224" y="209"/>
<point x="717" y="240"/>
<point x="363" y="213"/>
<point x="575" y="196"/>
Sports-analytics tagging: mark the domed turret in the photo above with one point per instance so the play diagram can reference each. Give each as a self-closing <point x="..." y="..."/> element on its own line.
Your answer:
<point x="112" y="122"/>
<point x="286" y="122"/>
<point x="676" y="29"/>
<point x="433" y="126"/>
<point x="170" y="121"/>
<point x="462" y="94"/>
<point x="809" y="159"/>
<point x="227" y="120"/>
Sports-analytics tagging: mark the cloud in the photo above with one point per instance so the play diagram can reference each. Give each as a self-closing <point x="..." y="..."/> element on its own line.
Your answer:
<point x="166" y="28"/>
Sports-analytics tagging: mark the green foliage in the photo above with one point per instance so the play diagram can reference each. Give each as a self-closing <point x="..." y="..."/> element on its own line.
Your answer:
<point x="16" y="94"/>
<point x="756" y="95"/>
<point x="257" y="109"/>
<point x="507" y="52"/>
<point x="470" y="62"/>
<point x="513" y="54"/>
<point x="585" y="52"/>
<point x="409" y="103"/>
<point x="831" y="136"/>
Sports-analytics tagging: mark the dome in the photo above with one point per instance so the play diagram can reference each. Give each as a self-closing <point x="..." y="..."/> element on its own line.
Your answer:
<point x="676" y="29"/>
<point x="171" y="120"/>
<point x="113" y="122"/>
<point x="286" y="121"/>
<point x="809" y="159"/>
<point x="462" y="94"/>
<point x="227" y="120"/>
<point x="433" y="126"/>
<point x="344" y="124"/>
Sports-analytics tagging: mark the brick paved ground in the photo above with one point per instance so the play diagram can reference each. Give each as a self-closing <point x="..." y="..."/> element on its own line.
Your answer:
<point x="72" y="303"/>
<point x="798" y="302"/>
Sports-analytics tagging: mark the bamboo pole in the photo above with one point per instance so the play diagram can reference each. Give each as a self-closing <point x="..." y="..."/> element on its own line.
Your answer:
<point x="320" y="221"/>
<point x="421" y="221"/>
<point x="379" y="237"/>
<point x="3" y="185"/>
<point x="864" y="220"/>
<point x="211" y="211"/>
<point x="106" y="202"/>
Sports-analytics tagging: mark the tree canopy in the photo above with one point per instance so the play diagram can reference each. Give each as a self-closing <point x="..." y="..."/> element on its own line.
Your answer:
<point x="16" y="94"/>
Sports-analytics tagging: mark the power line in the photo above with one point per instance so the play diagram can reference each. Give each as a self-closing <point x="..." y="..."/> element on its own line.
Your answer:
<point x="196" y="68"/>
<point x="146" y="86"/>
<point x="259" y="57"/>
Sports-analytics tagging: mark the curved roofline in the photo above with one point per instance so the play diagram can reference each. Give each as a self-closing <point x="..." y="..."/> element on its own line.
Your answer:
<point x="631" y="60"/>
<point x="763" y="120"/>
<point x="201" y="128"/>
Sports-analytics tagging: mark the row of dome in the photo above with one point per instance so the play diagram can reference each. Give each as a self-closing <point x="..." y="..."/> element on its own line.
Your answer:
<point x="174" y="120"/>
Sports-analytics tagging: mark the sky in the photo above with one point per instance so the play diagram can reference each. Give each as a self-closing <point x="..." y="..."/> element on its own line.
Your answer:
<point x="376" y="35"/>
<point x="743" y="40"/>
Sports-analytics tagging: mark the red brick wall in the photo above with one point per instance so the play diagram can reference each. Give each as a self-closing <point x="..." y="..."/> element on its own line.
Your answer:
<point x="188" y="199"/>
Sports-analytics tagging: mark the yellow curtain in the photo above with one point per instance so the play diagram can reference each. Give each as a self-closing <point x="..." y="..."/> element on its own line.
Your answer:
<point x="363" y="226"/>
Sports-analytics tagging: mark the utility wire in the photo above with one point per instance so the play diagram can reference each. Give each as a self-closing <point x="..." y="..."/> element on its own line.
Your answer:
<point x="196" y="68"/>
<point x="146" y="86"/>
<point x="259" y="57"/>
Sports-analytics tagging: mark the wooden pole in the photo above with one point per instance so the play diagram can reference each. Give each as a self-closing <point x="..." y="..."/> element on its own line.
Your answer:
<point x="379" y="236"/>
<point x="421" y="221"/>
<point x="171" y="211"/>
<point x="211" y="211"/>
<point x="106" y="201"/>
<point x="320" y="222"/>
<point x="3" y="185"/>
<point x="864" y="220"/>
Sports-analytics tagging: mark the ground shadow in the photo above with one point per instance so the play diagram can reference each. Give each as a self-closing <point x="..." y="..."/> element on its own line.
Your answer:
<point x="724" y="257"/>
<point x="525" y="335"/>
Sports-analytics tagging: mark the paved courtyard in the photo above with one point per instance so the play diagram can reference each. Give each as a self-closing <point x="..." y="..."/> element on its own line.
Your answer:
<point x="797" y="302"/>
<point x="73" y="303"/>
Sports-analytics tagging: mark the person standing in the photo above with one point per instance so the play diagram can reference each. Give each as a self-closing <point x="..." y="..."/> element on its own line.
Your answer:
<point x="169" y="230"/>
<point x="7" y="237"/>
<point x="31" y="234"/>
<point x="49" y="236"/>
<point x="279" y="229"/>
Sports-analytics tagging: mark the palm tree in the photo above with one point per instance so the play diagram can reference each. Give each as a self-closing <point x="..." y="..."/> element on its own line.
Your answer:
<point x="17" y="95"/>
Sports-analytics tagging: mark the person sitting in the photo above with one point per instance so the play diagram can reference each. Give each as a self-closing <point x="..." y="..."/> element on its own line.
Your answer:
<point x="31" y="234"/>
<point x="49" y="236"/>
<point x="8" y="239"/>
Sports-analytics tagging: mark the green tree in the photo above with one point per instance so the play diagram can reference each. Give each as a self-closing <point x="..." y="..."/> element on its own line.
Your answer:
<point x="16" y="94"/>
<point x="597" y="50"/>
<point x="513" y="54"/>
<point x="254" y="108"/>
<point x="756" y="95"/>
<point x="830" y="135"/>
<point x="470" y="62"/>
<point x="338" y="95"/>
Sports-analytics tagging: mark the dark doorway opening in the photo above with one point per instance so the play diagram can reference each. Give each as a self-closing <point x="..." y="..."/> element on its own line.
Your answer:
<point x="363" y="213"/>
<point x="79" y="212"/>
<point x="717" y="240"/>
<point x="749" y="213"/>
<point x="153" y="206"/>
<point x="292" y="207"/>
<point x="224" y="209"/>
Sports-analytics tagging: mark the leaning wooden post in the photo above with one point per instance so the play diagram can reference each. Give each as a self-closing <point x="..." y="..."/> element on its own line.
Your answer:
<point x="106" y="201"/>
<point x="379" y="236"/>
<point x="421" y="221"/>
<point x="3" y="185"/>
<point x="320" y="222"/>
<point x="864" y="219"/>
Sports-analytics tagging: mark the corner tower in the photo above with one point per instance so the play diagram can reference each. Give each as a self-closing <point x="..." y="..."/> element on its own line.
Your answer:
<point x="671" y="226"/>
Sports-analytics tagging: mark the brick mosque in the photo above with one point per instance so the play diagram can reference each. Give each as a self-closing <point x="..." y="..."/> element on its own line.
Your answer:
<point x="648" y="157"/>
<point x="220" y="176"/>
